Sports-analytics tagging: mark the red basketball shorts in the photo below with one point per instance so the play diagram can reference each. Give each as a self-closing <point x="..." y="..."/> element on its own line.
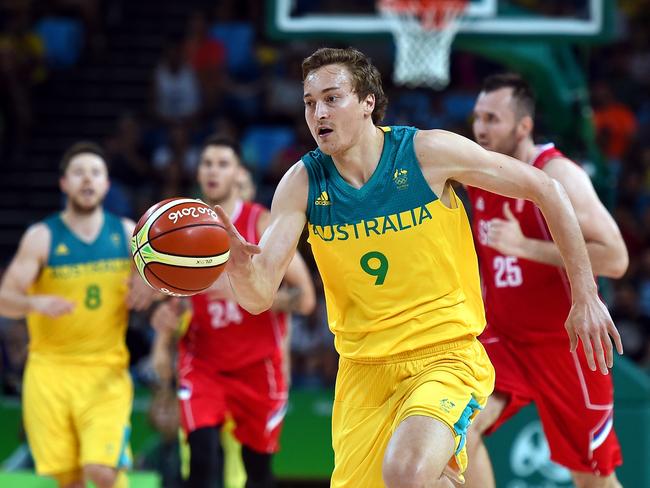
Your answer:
<point x="575" y="404"/>
<point x="254" y="396"/>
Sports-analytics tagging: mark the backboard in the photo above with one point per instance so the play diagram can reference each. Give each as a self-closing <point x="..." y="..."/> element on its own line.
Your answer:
<point x="571" y="20"/>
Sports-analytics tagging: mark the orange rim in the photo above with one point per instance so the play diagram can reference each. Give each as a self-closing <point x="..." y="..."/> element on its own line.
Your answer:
<point x="433" y="14"/>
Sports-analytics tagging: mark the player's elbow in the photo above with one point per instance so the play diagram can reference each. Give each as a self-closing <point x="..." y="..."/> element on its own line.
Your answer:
<point x="307" y="303"/>
<point x="618" y="266"/>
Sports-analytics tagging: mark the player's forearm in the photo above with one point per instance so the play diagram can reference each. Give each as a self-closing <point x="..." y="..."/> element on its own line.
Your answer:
<point x="288" y="299"/>
<point x="254" y="288"/>
<point x="604" y="260"/>
<point x="563" y="224"/>
<point x="163" y="339"/>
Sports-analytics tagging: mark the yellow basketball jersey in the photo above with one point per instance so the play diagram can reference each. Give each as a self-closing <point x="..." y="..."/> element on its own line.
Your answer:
<point x="398" y="266"/>
<point x="93" y="276"/>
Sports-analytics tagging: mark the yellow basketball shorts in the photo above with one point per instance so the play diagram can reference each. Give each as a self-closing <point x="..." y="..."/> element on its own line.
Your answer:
<point x="76" y="415"/>
<point x="449" y="382"/>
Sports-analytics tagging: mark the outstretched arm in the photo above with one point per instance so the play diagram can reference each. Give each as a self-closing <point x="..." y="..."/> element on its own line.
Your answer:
<point x="605" y="245"/>
<point x="255" y="272"/>
<point x="446" y="156"/>
<point x="15" y="302"/>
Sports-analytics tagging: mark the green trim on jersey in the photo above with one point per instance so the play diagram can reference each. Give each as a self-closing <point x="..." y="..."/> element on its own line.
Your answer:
<point x="397" y="185"/>
<point x="67" y="249"/>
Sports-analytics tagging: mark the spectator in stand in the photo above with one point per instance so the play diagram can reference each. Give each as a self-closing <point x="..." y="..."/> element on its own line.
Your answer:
<point x="176" y="162"/>
<point x="130" y="166"/>
<point x="642" y="278"/>
<point x="283" y="160"/>
<point x="88" y="11"/>
<point x="284" y="90"/>
<point x="176" y="92"/>
<point x="207" y="56"/>
<point x="615" y="123"/>
<point x="628" y="223"/>
<point x="21" y="67"/>
<point x="633" y="323"/>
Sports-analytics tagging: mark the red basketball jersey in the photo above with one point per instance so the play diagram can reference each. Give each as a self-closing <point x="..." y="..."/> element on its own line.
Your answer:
<point x="223" y="336"/>
<point x="525" y="301"/>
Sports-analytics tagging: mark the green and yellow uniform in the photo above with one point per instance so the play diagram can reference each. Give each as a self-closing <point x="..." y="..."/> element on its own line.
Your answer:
<point x="404" y="303"/>
<point x="77" y="390"/>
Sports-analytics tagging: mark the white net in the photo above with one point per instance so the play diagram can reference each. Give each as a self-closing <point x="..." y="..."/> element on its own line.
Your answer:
<point x="423" y="33"/>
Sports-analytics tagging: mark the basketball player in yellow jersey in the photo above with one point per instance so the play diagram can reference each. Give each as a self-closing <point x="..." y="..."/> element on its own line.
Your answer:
<point x="395" y="252"/>
<point x="71" y="278"/>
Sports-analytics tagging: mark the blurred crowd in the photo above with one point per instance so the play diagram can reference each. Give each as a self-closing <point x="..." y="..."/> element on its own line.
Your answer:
<point x="35" y="38"/>
<point x="223" y="74"/>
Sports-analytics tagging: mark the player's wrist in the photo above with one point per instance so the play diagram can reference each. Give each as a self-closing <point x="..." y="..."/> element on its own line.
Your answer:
<point x="31" y="303"/>
<point x="585" y="292"/>
<point x="524" y="248"/>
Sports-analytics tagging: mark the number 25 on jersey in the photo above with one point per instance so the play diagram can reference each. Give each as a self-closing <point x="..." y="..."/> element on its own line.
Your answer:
<point x="507" y="272"/>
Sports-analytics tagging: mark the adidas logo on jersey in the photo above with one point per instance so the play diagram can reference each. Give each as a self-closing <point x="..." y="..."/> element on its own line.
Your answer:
<point x="116" y="238"/>
<point x="61" y="250"/>
<point x="323" y="199"/>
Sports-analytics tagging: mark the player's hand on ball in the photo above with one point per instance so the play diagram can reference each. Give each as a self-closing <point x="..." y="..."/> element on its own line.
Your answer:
<point x="51" y="305"/>
<point x="140" y="295"/>
<point x="590" y="322"/>
<point x="241" y="251"/>
<point x="167" y="315"/>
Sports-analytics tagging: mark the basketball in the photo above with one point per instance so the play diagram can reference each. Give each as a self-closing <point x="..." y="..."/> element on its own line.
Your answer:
<point x="179" y="246"/>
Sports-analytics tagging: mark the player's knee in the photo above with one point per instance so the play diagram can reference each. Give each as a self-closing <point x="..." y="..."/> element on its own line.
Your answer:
<point x="74" y="484"/>
<point x="101" y="476"/>
<point x="588" y="480"/>
<point x="481" y="423"/>
<point x="405" y="473"/>
<point x="72" y="479"/>
<point x="474" y="439"/>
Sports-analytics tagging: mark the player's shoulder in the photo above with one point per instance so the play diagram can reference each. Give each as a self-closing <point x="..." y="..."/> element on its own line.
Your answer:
<point x="128" y="225"/>
<point x="295" y="181"/>
<point x="437" y="140"/>
<point x="563" y="169"/>
<point x="299" y="168"/>
<point x="36" y="239"/>
<point x="38" y="231"/>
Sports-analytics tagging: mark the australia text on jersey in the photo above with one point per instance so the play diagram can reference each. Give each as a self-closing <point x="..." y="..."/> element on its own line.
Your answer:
<point x="101" y="266"/>
<point x="374" y="226"/>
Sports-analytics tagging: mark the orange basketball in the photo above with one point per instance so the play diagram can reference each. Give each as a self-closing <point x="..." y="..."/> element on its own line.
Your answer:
<point x="179" y="246"/>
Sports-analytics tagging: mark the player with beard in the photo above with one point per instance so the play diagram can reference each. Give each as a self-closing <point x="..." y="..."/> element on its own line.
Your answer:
<point x="231" y="363"/>
<point x="527" y="300"/>
<point x="72" y="278"/>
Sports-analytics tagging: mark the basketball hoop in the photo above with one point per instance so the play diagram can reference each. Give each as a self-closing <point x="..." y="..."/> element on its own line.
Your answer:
<point x="423" y="31"/>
